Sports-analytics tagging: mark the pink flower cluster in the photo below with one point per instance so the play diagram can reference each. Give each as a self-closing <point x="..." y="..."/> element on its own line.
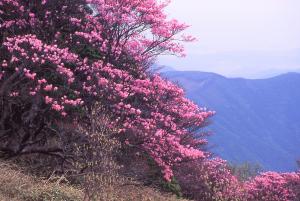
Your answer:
<point x="37" y="61"/>
<point x="273" y="186"/>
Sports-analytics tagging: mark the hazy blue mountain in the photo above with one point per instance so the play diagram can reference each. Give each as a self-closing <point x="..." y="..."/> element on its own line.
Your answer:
<point x="256" y="120"/>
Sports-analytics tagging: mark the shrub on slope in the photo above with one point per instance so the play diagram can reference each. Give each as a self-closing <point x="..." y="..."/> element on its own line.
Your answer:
<point x="58" y="57"/>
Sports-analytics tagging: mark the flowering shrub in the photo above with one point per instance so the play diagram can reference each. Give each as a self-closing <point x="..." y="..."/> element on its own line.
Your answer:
<point x="272" y="186"/>
<point x="210" y="180"/>
<point x="58" y="57"/>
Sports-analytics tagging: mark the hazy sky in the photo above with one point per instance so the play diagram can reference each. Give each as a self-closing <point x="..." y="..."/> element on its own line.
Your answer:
<point x="249" y="38"/>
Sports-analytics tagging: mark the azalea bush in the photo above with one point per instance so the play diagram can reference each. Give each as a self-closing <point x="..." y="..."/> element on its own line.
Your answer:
<point x="59" y="57"/>
<point x="210" y="179"/>
<point x="213" y="180"/>
<point x="273" y="186"/>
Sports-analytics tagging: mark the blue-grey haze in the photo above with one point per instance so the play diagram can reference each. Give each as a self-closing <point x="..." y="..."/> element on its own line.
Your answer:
<point x="248" y="38"/>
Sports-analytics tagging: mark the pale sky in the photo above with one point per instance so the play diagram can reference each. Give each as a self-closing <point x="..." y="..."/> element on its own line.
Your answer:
<point x="248" y="38"/>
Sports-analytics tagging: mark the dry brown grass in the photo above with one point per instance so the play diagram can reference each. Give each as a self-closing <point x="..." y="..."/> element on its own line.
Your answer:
<point x="141" y="193"/>
<point x="15" y="185"/>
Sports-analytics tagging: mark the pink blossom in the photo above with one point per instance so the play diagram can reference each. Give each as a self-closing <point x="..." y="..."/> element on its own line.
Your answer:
<point x="48" y="100"/>
<point x="48" y="87"/>
<point x="32" y="93"/>
<point x="57" y="107"/>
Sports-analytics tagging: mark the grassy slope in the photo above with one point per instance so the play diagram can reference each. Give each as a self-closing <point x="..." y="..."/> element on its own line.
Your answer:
<point x="15" y="185"/>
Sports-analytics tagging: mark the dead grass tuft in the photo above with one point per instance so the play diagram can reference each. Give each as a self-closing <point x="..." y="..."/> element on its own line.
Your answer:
<point x="15" y="185"/>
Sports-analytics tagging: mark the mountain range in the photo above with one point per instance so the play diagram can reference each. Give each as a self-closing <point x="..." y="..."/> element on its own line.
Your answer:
<point x="257" y="120"/>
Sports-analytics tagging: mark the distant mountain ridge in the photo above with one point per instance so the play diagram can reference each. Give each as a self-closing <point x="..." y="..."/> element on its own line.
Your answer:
<point x="257" y="120"/>
<point x="249" y="64"/>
